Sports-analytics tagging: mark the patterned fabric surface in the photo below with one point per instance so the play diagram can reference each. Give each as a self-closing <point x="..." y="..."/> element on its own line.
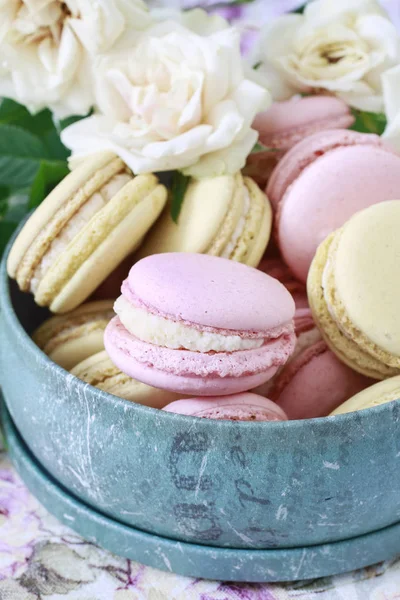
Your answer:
<point x="40" y="559"/>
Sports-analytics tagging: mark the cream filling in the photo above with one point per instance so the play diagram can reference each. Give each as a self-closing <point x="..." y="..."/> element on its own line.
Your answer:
<point x="171" y="334"/>
<point x="231" y="245"/>
<point x="93" y="205"/>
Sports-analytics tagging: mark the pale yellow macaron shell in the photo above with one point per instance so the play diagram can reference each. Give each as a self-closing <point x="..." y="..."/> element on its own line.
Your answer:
<point x="102" y="244"/>
<point x="206" y="204"/>
<point x="56" y="210"/>
<point x="99" y="371"/>
<point x="211" y="212"/>
<point x="376" y="395"/>
<point x="257" y="232"/>
<point x="347" y="350"/>
<point x="363" y="283"/>
<point x="69" y="339"/>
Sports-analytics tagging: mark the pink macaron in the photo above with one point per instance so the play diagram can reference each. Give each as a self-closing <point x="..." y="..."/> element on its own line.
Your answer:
<point x="307" y="334"/>
<point x="200" y="325"/>
<point x="275" y="267"/>
<point x="288" y="122"/>
<point x="314" y="382"/>
<point x="321" y="182"/>
<point x="237" y="407"/>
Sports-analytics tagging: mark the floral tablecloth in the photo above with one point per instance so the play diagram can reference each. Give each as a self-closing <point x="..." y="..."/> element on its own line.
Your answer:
<point x="40" y="559"/>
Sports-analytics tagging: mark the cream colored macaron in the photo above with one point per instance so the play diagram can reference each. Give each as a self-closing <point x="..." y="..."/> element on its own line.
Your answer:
<point x="86" y="226"/>
<point x="99" y="371"/>
<point x="379" y="393"/>
<point x="225" y="216"/>
<point x="69" y="339"/>
<point x="354" y="287"/>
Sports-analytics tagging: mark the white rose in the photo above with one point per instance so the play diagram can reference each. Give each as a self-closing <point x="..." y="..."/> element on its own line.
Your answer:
<point x="44" y="43"/>
<point x="391" y="94"/>
<point x="174" y="100"/>
<point x="342" y="46"/>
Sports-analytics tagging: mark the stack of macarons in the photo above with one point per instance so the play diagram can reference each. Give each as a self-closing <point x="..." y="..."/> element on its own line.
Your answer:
<point x="202" y="316"/>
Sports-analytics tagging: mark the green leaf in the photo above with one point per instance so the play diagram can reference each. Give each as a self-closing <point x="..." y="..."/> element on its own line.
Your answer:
<point x="54" y="145"/>
<point x="16" y="209"/>
<point x="179" y="187"/>
<point x="368" y="122"/>
<point x="257" y="65"/>
<point x="63" y="123"/>
<point x="300" y="9"/>
<point x="258" y="147"/>
<point x="47" y="177"/>
<point x="12" y="113"/>
<point x="4" y="194"/>
<point x="7" y="228"/>
<point x="20" y="155"/>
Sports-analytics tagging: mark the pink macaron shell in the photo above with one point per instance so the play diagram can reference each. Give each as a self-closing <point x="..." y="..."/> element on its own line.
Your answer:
<point x="236" y="407"/>
<point x="288" y="122"/>
<point x="210" y="292"/>
<point x="306" y="152"/>
<point x="315" y="383"/>
<point x="327" y="193"/>
<point x="195" y="372"/>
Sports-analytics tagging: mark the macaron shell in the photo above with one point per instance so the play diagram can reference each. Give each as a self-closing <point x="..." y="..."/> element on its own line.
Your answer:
<point x="235" y="214"/>
<point x="181" y="384"/>
<point x="315" y="383"/>
<point x="255" y="237"/>
<point x="205" y="208"/>
<point x="236" y="407"/>
<point x="376" y="395"/>
<point x="69" y="339"/>
<point x="344" y="348"/>
<point x="54" y="212"/>
<point x="189" y="363"/>
<point x="365" y="284"/>
<point x="204" y="286"/>
<point x="306" y="152"/>
<point x="99" y="371"/>
<point x="327" y="193"/>
<point x="286" y="123"/>
<point x="75" y="350"/>
<point x="102" y="244"/>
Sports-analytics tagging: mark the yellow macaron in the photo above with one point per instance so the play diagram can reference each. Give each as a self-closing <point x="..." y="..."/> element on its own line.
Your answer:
<point x="99" y="371"/>
<point x="225" y="216"/>
<point x="86" y="226"/>
<point x="69" y="339"/>
<point x="352" y="290"/>
<point x="377" y="394"/>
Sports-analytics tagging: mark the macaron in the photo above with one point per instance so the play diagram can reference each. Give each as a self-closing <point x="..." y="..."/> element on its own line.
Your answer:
<point x="321" y="182"/>
<point x="307" y="334"/>
<point x="88" y="224"/>
<point x="226" y="216"/>
<point x="200" y="325"/>
<point x="99" y="371"/>
<point x="69" y="339"/>
<point x="237" y="407"/>
<point x="286" y="123"/>
<point x="315" y="382"/>
<point x="380" y="393"/>
<point x="352" y="290"/>
<point x="275" y="267"/>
